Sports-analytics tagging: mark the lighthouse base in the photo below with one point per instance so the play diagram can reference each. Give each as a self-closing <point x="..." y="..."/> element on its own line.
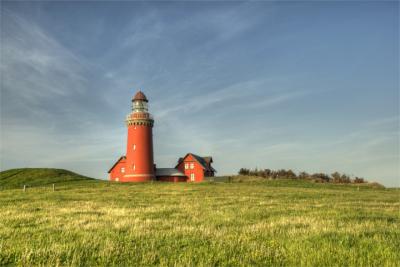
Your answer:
<point x="138" y="178"/>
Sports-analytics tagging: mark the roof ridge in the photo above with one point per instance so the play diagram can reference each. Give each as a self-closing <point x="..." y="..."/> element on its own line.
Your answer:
<point x="113" y="166"/>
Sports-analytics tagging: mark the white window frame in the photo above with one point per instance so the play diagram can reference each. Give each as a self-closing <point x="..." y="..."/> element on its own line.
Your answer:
<point x="192" y="177"/>
<point x="191" y="165"/>
<point x="186" y="166"/>
<point x="117" y="179"/>
<point x="134" y="167"/>
<point x="122" y="169"/>
<point x="134" y="146"/>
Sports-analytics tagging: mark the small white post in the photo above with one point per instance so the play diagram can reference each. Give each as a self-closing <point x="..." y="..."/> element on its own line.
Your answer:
<point x="24" y="188"/>
<point x="54" y="187"/>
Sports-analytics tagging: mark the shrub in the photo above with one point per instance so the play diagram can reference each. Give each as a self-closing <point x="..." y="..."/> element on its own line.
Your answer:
<point x="335" y="177"/>
<point x="358" y="180"/>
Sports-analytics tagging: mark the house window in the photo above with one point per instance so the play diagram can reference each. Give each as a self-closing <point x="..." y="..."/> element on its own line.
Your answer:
<point x="192" y="165"/>
<point x="192" y="177"/>
<point x="186" y="166"/>
<point x="117" y="179"/>
<point x="134" y="167"/>
<point x="123" y="170"/>
<point x="134" y="147"/>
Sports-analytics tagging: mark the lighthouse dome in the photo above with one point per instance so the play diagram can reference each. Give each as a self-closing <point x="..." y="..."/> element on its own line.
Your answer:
<point x="140" y="96"/>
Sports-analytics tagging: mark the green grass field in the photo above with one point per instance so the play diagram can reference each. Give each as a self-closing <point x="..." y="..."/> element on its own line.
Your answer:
<point x="278" y="222"/>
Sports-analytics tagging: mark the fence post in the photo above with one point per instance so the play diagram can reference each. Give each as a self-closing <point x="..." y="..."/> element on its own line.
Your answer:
<point x="54" y="188"/>
<point x="24" y="188"/>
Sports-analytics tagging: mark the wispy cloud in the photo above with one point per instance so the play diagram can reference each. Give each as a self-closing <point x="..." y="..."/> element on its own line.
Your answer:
<point x="255" y="93"/>
<point x="43" y="91"/>
<point x="392" y="120"/>
<point x="35" y="66"/>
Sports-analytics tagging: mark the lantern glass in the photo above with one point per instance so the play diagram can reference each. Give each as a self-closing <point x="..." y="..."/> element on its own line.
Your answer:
<point x="139" y="106"/>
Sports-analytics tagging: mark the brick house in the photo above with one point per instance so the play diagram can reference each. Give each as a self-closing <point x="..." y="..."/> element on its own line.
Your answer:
<point x="195" y="167"/>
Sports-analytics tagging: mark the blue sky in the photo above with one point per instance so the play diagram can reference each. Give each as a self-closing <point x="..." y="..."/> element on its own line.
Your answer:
<point x="303" y="85"/>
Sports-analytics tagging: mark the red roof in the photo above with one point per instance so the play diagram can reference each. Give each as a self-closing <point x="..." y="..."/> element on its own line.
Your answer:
<point x="140" y="96"/>
<point x="205" y="162"/>
<point x="115" y="164"/>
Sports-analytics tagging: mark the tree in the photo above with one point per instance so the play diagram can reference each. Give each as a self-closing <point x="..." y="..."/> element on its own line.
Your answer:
<point x="303" y="175"/>
<point x="336" y="177"/>
<point x="244" y="171"/>
<point x="345" y="179"/>
<point x="290" y="174"/>
<point x="253" y="172"/>
<point x="321" y="177"/>
<point x="267" y="172"/>
<point x="359" y="180"/>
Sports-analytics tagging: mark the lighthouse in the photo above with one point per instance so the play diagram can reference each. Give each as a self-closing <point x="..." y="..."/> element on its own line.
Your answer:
<point x="139" y="165"/>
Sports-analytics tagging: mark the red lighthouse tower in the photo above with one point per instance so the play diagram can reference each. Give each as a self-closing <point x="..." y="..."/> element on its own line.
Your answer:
<point x="139" y="166"/>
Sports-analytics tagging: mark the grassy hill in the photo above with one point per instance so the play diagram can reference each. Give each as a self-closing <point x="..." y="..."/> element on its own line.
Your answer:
<point x="32" y="177"/>
<point x="246" y="223"/>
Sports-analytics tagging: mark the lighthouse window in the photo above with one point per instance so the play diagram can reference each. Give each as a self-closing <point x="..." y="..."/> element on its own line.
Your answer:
<point x="122" y="169"/>
<point x="134" y="147"/>
<point x="134" y="167"/>
<point x="192" y="166"/>
<point x="186" y="166"/>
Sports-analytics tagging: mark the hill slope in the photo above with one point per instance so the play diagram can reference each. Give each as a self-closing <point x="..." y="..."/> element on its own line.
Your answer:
<point x="15" y="178"/>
